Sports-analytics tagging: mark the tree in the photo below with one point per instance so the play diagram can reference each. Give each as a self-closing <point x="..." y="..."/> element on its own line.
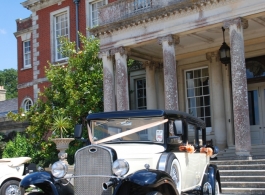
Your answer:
<point x="75" y="89"/>
<point x="8" y="79"/>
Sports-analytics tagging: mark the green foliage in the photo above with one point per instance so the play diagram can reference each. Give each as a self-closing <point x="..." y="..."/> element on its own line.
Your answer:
<point x="75" y="89"/>
<point x="60" y="124"/>
<point x="8" y="79"/>
<point x="18" y="147"/>
<point x="2" y="144"/>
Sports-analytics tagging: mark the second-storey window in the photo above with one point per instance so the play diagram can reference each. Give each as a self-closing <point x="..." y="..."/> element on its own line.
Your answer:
<point x="27" y="54"/>
<point x="198" y="94"/>
<point x="94" y="17"/>
<point x="61" y="29"/>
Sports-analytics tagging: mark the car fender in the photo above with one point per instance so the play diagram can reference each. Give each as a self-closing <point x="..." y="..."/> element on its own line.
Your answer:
<point x="148" y="178"/>
<point x="45" y="179"/>
<point x="212" y="172"/>
<point x="10" y="176"/>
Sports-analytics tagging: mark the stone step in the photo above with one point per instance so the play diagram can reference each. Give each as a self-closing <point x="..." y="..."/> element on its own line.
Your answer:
<point x="242" y="172"/>
<point x="242" y="167"/>
<point x="252" y="184"/>
<point x="238" y="162"/>
<point x="248" y="191"/>
<point x="260" y="178"/>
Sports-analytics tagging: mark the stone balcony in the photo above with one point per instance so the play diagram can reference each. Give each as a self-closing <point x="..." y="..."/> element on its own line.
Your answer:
<point x="131" y="12"/>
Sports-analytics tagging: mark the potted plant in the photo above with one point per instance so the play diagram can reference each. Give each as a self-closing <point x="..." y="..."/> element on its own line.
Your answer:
<point x="60" y="126"/>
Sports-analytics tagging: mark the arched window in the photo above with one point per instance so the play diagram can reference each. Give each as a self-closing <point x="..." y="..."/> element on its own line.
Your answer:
<point x="27" y="103"/>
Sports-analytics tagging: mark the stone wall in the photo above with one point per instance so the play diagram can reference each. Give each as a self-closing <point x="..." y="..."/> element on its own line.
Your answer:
<point x="8" y="125"/>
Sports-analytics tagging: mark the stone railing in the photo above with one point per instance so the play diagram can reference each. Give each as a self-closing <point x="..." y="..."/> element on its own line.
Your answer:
<point x="124" y="9"/>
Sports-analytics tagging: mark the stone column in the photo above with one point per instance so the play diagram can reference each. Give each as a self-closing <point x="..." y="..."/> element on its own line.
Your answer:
<point x="239" y="86"/>
<point x="108" y="81"/>
<point x="160" y="87"/>
<point x="122" y="91"/>
<point x="150" y="85"/>
<point x="217" y="96"/>
<point x="170" y="73"/>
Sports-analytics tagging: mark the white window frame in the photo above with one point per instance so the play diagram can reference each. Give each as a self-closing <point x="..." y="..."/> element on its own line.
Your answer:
<point x="53" y="16"/>
<point x="26" y="54"/>
<point x="26" y="104"/>
<point x="90" y="12"/>
<point x="208" y="129"/>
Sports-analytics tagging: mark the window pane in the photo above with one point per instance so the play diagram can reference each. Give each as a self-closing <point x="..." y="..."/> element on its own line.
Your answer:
<point x="190" y="83"/>
<point x="197" y="73"/>
<point x="191" y="102"/>
<point x="197" y="82"/>
<point x="189" y="75"/>
<point x="190" y="92"/>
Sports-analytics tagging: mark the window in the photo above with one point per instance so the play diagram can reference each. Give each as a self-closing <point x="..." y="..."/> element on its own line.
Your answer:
<point x="140" y="93"/>
<point x="27" y="103"/>
<point x="93" y="8"/>
<point x="198" y="94"/>
<point x="61" y="29"/>
<point x="27" y="54"/>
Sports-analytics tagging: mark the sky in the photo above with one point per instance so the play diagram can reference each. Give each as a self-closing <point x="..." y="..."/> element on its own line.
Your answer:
<point x="10" y="10"/>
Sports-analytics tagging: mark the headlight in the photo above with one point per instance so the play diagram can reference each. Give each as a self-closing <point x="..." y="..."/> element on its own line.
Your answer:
<point x="59" y="169"/>
<point x="120" y="167"/>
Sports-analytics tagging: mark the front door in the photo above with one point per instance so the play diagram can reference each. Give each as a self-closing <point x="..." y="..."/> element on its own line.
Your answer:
<point x="256" y="103"/>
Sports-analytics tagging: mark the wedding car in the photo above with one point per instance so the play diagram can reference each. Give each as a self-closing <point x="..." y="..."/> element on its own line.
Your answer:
<point x="137" y="152"/>
<point x="12" y="171"/>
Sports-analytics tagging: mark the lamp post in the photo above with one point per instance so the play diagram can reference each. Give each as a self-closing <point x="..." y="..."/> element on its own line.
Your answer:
<point x="224" y="51"/>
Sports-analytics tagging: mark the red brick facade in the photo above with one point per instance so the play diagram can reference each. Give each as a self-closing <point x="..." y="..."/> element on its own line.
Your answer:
<point x="32" y="79"/>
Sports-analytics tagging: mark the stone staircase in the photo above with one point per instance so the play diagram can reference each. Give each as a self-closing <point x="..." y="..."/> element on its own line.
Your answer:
<point x="257" y="152"/>
<point x="242" y="176"/>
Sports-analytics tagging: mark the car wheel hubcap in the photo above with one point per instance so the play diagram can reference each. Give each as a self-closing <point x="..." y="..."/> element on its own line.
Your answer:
<point x="12" y="190"/>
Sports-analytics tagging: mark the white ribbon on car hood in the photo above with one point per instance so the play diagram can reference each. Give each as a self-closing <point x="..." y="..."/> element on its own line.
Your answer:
<point x="122" y="134"/>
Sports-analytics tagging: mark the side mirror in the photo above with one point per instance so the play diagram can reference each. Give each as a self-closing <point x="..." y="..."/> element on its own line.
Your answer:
<point x="178" y="127"/>
<point x="78" y="131"/>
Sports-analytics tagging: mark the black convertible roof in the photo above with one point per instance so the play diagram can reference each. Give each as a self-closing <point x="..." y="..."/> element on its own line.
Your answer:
<point x="148" y="113"/>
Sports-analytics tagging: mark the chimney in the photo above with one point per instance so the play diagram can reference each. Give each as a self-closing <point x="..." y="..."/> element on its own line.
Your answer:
<point x="2" y="93"/>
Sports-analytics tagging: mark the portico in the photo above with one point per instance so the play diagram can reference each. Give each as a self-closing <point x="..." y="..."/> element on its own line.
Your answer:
<point x="178" y="46"/>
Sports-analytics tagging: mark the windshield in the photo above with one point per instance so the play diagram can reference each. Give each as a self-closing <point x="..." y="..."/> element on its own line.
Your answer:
<point x="147" y="129"/>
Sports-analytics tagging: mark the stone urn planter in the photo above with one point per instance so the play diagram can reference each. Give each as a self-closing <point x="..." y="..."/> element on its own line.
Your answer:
<point x="62" y="144"/>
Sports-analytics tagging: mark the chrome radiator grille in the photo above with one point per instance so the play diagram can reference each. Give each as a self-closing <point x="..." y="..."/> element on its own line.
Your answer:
<point x="92" y="160"/>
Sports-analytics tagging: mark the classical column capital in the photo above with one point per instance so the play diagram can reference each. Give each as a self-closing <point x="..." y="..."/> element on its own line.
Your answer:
<point x="238" y="21"/>
<point x="103" y="53"/>
<point x="212" y="56"/>
<point x="150" y="64"/>
<point x="171" y="39"/>
<point x="121" y="50"/>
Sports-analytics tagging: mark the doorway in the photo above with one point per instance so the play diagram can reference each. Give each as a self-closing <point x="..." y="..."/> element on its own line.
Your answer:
<point x="256" y="103"/>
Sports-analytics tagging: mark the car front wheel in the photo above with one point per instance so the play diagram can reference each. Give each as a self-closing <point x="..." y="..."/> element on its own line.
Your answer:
<point x="11" y="187"/>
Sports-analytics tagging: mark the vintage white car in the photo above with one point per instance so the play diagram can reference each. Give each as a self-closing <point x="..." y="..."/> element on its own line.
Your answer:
<point x="12" y="171"/>
<point x="140" y="152"/>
